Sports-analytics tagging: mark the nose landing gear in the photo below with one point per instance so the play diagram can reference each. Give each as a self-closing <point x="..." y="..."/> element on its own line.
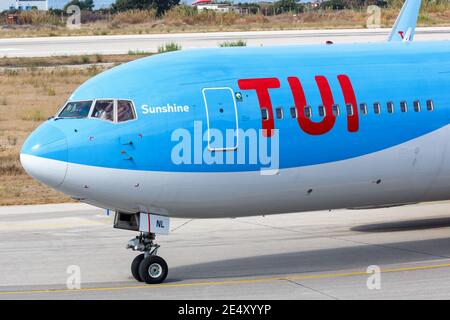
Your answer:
<point x="147" y="267"/>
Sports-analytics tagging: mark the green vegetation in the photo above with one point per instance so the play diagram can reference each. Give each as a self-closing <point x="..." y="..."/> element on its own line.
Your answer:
<point x="283" y="6"/>
<point x="160" y="6"/>
<point x="138" y="53"/>
<point x="237" y="43"/>
<point x="168" y="47"/>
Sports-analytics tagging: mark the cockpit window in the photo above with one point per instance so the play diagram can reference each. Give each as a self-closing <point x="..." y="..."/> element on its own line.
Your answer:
<point x="125" y="111"/>
<point x="113" y="110"/>
<point x="104" y="110"/>
<point x="78" y="109"/>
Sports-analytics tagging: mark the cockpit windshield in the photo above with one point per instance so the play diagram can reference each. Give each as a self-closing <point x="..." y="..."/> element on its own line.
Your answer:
<point x="104" y="109"/>
<point x="78" y="109"/>
<point x="111" y="110"/>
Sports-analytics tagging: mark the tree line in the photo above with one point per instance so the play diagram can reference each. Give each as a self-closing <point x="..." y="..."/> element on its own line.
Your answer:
<point x="277" y="7"/>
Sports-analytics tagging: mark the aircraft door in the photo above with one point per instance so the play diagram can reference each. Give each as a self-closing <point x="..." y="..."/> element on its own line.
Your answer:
<point x="222" y="119"/>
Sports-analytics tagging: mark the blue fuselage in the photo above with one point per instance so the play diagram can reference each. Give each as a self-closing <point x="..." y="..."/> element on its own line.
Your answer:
<point x="379" y="73"/>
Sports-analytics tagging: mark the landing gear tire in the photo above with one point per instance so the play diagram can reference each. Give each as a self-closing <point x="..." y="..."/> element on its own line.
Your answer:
<point x="147" y="267"/>
<point x="153" y="270"/>
<point x="135" y="267"/>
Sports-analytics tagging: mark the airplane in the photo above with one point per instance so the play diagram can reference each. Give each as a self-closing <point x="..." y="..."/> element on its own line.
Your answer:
<point x="233" y="132"/>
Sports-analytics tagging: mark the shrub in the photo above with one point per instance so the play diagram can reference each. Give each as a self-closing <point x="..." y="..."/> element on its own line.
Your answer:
<point x="168" y="47"/>
<point x="138" y="53"/>
<point x="161" y="6"/>
<point x="237" y="43"/>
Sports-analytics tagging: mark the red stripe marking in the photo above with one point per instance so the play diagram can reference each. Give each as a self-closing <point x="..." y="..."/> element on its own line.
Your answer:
<point x="262" y="86"/>
<point x="350" y="98"/>
<point x="306" y="124"/>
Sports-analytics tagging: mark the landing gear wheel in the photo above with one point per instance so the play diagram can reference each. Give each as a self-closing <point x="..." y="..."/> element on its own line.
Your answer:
<point x="147" y="267"/>
<point x="153" y="269"/>
<point x="135" y="267"/>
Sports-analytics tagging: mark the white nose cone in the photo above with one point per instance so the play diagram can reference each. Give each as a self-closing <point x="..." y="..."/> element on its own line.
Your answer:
<point x="48" y="171"/>
<point x="44" y="155"/>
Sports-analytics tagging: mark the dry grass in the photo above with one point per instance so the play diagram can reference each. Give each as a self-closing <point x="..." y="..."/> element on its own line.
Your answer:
<point x="67" y="60"/>
<point x="39" y="18"/>
<point x="29" y="96"/>
<point x="21" y="189"/>
<point x="134" y="17"/>
<point x="182" y="19"/>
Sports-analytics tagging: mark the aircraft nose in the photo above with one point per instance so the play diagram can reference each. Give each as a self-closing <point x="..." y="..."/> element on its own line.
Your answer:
<point x="44" y="155"/>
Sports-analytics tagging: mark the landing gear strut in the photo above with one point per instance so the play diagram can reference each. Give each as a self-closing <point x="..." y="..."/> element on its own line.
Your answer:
<point x="147" y="267"/>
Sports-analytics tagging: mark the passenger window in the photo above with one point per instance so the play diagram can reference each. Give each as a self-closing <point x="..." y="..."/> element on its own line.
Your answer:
<point x="349" y="108"/>
<point x="104" y="110"/>
<point x="363" y="108"/>
<point x="125" y="111"/>
<point x="430" y="105"/>
<point x="293" y="113"/>
<point x="335" y="110"/>
<point x="322" y="111"/>
<point x="279" y="113"/>
<point x="79" y="109"/>
<point x="264" y="114"/>
<point x="377" y="108"/>
<point x="417" y="106"/>
<point x="403" y="106"/>
<point x="390" y="107"/>
<point x="308" y="112"/>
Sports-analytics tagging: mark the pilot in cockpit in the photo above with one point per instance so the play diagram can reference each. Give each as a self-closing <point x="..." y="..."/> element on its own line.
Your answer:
<point x="106" y="111"/>
<point x="102" y="109"/>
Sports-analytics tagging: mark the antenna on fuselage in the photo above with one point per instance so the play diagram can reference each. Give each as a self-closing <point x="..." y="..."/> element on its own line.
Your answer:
<point x="405" y="26"/>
